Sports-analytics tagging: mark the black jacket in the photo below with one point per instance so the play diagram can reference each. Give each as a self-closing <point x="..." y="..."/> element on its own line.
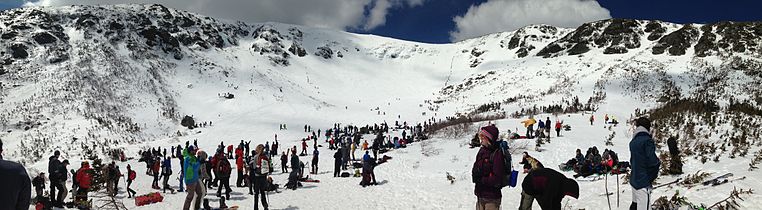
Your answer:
<point x="17" y="188"/>
<point x="549" y="187"/>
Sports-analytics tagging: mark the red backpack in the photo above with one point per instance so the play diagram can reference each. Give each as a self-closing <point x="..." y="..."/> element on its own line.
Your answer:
<point x="224" y="166"/>
<point x="131" y="175"/>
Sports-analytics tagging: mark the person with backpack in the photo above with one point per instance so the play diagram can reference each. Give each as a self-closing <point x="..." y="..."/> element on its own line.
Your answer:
<point x="260" y="165"/>
<point x="191" y="175"/>
<point x="131" y="175"/>
<point x="548" y="187"/>
<point x="644" y="163"/>
<point x="223" y="166"/>
<point x="489" y="170"/>
<point x="84" y="178"/>
<point x="166" y="172"/>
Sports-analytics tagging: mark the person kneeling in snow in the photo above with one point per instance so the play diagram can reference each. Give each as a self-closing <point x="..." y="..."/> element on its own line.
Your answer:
<point x="548" y="187"/>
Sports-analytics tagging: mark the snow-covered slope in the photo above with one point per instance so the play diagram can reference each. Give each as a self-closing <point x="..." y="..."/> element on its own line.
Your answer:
<point x="124" y="76"/>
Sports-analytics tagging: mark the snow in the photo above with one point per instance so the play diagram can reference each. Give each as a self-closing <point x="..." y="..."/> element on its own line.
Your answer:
<point x="378" y="80"/>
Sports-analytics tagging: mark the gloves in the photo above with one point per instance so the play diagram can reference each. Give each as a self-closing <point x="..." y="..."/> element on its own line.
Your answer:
<point x="476" y="175"/>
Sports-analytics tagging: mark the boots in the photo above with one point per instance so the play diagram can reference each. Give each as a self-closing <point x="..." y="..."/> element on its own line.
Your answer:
<point x="206" y="204"/>
<point x="222" y="203"/>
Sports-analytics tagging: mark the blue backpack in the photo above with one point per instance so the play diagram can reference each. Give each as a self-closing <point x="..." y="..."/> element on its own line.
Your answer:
<point x="511" y="176"/>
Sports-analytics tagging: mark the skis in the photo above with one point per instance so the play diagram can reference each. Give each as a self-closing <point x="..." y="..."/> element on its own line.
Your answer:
<point x="310" y="180"/>
<point x="668" y="183"/>
<point x="717" y="180"/>
<point x="720" y="182"/>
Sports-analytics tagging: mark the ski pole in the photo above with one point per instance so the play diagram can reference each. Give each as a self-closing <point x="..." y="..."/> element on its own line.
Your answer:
<point x="617" y="190"/>
<point x="606" y="184"/>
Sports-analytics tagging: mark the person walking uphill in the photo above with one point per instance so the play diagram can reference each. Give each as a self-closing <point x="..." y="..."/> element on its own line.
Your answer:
<point x="644" y="163"/>
<point x="488" y="170"/>
<point x="192" y="183"/>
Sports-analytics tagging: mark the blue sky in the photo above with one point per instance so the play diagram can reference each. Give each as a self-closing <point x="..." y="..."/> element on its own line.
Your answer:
<point x="443" y="21"/>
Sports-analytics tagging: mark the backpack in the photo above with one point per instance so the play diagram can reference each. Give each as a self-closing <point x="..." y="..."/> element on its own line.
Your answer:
<point x="131" y="175"/>
<point x="264" y="168"/>
<point x="224" y="167"/>
<point x="511" y="176"/>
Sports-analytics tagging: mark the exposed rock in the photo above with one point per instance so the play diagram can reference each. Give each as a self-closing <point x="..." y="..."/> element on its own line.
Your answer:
<point x="44" y="38"/>
<point x="324" y="52"/>
<point x="677" y="42"/>
<point x="18" y="51"/>
<point x="297" y="50"/>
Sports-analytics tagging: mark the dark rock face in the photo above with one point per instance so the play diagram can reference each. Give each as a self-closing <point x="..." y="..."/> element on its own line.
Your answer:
<point x="44" y="38"/>
<point x="738" y="37"/>
<point x="18" y="51"/>
<point x="677" y="42"/>
<point x="614" y="35"/>
<point x="297" y="50"/>
<point x="521" y="38"/>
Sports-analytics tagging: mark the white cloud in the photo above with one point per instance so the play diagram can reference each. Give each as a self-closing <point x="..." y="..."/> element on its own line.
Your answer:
<point x="508" y="15"/>
<point x="339" y="14"/>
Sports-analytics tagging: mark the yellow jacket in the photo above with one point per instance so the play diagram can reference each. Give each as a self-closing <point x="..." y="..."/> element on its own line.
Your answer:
<point x="529" y="122"/>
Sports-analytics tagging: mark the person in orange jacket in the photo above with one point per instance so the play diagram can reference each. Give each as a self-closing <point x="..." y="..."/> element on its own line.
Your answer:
<point x="84" y="178"/>
<point x="365" y="145"/>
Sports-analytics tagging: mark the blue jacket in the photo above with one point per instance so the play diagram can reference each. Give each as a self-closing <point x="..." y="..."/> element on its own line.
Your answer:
<point x="645" y="164"/>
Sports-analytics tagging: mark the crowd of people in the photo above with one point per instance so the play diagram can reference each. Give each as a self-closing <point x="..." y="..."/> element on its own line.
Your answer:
<point x="547" y="186"/>
<point x="201" y="171"/>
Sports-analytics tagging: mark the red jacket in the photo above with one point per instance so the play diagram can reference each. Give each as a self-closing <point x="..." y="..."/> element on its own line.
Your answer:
<point x="239" y="152"/>
<point x="239" y="163"/>
<point x="558" y="125"/>
<point x="84" y="177"/>
<point x="230" y="148"/>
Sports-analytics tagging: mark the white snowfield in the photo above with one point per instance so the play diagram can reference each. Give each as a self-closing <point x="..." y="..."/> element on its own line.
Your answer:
<point x="110" y="80"/>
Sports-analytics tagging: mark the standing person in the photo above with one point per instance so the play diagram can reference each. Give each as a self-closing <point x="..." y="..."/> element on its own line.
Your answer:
<point x="547" y="126"/>
<point x="223" y="166"/>
<point x="39" y="184"/>
<point x="283" y="161"/>
<point x="644" y="163"/>
<point x="488" y="170"/>
<point x="131" y="175"/>
<point x="558" y="128"/>
<point x="592" y="118"/>
<point x="118" y="174"/>
<point x="337" y="163"/>
<point x="548" y="187"/>
<point x="84" y="178"/>
<point x="239" y="167"/>
<point x="377" y="144"/>
<point x="166" y="171"/>
<point x="529" y="125"/>
<point x="314" y="165"/>
<point x="304" y="147"/>
<point x="274" y="150"/>
<point x="295" y="163"/>
<point x="17" y="188"/>
<point x="54" y="166"/>
<point x="191" y="171"/>
<point x="179" y="155"/>
<point x="155" y="171"/>
<point x="260" y="169"/>
<point x="204" y="174"/>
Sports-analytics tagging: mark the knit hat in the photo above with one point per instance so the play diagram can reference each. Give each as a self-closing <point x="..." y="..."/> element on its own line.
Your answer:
<point x="644" y="122"/>
<point x="490" y="132"/>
